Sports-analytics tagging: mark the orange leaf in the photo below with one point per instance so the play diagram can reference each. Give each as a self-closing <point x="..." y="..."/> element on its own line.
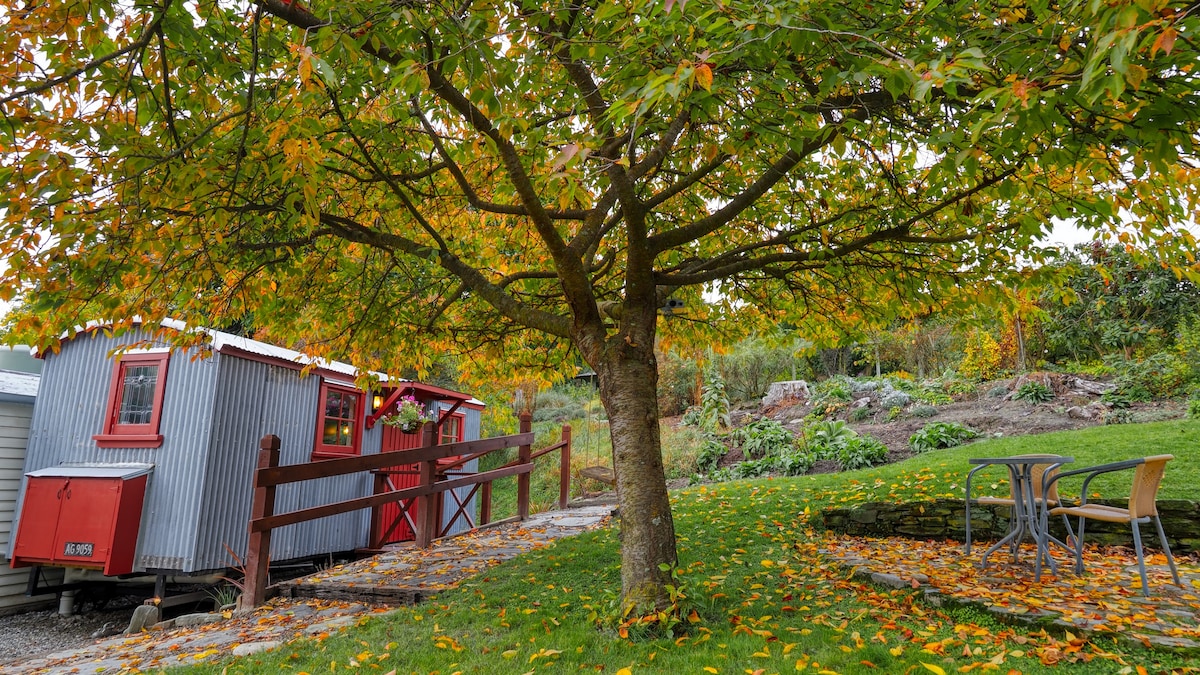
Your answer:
<point x="1165" y="41"/>
<point x="704" y="75"/>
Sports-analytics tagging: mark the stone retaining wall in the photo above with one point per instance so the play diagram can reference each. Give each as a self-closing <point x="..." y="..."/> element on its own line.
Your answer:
<point x="946" y="519"/>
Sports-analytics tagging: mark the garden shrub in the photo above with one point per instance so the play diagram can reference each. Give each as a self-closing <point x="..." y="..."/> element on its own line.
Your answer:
<point x="981" y="356"/>
<point x="940" y="435"/>
<point x="714" y="405"/>
<point x="957" y="387"/>
<point x="861" y="452"/>
<point x="754" y="363"/>
<point x="795" y="463"/>
<point x="678" y="380"/>
<point x="764" y="438"/>
<point x="710" y="455"/>
<point x="1033" y="392"/>
<point x="1161" y="375"/>
<point x="923" y="411"/>
<point x="834" y="440"/>
<point x="1116" y="399"/>
<point x="692" y="417"/>
<point x="554" y="405"/>
<point x="824" y="439"/>
<point x="832" y="391"/>
<point x="895" y="399"/>
<point x="932" y="396"/>
<point x="860" y="414"/>
<point x="1118" y="416"/>
<point x="754" y="468"/>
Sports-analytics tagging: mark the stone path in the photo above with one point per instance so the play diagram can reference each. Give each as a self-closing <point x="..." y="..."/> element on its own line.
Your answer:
<point x="1106" y="599"/>
<point x="322" y="603"/>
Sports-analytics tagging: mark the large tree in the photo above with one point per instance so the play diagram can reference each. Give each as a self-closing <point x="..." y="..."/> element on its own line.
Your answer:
<point x="386" y="180"/>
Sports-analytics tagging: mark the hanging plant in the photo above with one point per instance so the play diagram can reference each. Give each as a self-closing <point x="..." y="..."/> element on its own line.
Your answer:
<point x="408" y="416"/>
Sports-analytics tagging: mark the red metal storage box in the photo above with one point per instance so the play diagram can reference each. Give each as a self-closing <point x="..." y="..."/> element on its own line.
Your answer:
<point x="82" y="516"/>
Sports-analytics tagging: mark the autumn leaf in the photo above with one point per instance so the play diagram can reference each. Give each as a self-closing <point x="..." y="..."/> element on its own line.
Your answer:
<point x="704" y="76"/>
<point x="1165" y="41"/>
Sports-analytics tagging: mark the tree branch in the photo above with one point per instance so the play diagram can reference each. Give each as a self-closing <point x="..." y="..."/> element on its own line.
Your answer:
<point x="142" y="43"/>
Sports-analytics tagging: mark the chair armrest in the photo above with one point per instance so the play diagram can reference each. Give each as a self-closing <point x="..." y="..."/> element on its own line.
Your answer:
<point x="971" y="474"/>
<point x="1091" y="472"/>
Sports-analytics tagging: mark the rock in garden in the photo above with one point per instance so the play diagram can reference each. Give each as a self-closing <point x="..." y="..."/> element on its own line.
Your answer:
<point x="862" y="402"/>
<point x="144" y="615"/>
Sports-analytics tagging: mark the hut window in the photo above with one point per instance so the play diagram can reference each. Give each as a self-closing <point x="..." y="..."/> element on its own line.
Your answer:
<point x="452" y="429"/>
<point x="339" y="420"/>
<point x="135" y="401"/>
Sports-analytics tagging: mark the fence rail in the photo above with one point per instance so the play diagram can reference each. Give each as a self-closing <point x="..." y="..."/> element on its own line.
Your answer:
<point x="433" y="484"/>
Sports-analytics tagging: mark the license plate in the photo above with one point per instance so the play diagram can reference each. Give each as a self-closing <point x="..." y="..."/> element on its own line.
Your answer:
<point x="78" y="549"/>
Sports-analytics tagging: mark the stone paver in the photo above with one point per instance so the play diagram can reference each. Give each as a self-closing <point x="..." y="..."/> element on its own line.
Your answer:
<point x="1106" y="599"/>
<point x="420" y="573"/>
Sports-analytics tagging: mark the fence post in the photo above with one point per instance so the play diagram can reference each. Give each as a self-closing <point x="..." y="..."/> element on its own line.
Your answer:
<point x="564" y="468"/>
<point x="258" y="554"/>
<point x="427" y="516"/>
<point x="485" y="508"/>
<point x="523" y="457"/>
<point x="375" y="540"/>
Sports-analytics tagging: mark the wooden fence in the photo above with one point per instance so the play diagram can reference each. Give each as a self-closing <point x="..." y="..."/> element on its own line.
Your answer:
<point x="434" y="482"/>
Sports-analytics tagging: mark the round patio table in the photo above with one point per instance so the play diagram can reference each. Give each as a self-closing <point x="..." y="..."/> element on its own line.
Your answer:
<point x="1026" y="516"/>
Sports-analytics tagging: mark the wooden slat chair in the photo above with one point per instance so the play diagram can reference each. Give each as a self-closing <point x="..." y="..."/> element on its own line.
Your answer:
<point x="1147" y="476"/>
<point x="1041" y="475"/>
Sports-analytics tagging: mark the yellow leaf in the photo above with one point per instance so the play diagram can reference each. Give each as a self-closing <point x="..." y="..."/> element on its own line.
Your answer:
<point x="509" y="654"/>
<point x="710" y="669"/>
<point x="704" y="76"/>
<point x="624" y="671"/>
<point x="937" y="670"/>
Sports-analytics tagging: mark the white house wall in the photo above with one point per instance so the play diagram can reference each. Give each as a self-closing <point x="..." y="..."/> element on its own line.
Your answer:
<point x="14" y="433"/>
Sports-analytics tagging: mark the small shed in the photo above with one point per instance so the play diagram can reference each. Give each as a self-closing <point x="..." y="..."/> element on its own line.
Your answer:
<point x="18" y="390"/>
<point x="161" y="445"/>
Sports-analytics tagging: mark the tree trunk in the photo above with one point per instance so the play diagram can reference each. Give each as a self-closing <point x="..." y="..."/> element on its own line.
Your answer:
<point x="628" y="377"/>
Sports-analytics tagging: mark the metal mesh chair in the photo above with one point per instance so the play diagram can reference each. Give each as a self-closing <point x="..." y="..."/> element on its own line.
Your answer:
<point x="1041" y="475"/>
<point x="1147" y="476"/>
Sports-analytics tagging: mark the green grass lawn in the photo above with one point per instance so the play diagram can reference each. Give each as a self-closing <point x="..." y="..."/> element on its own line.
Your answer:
<point x="760" y="597"/>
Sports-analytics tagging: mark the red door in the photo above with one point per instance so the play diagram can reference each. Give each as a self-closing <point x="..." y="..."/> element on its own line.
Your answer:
<point x="39" y="519"/>
<point x="395" y="526"/>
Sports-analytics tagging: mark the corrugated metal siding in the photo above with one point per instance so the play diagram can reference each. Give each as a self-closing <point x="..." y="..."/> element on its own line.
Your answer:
<point x="232" y="456"/>
<point x="14" y="434"/>
<point x="256" y="399"/>
<point x="70" y="409"/>
<point x="295" y="412"/>
<point x="471" y="425"/>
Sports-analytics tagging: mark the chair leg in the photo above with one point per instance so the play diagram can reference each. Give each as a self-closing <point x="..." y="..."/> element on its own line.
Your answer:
<point x="1137" y="547"/>
<point x="1079" y="548"/>
<point x="967" y="510"/>
<point x="1162" y="537"/>
<point x="968" y="515"/>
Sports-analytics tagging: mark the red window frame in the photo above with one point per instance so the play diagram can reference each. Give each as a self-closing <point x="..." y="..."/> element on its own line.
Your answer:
<point x="321" y="449"/>
<point x="445" y="428"/>
<point x="117" y="435"/>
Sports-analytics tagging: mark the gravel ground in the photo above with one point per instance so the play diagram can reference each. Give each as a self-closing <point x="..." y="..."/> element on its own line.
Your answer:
<point x="34" y="634"/>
